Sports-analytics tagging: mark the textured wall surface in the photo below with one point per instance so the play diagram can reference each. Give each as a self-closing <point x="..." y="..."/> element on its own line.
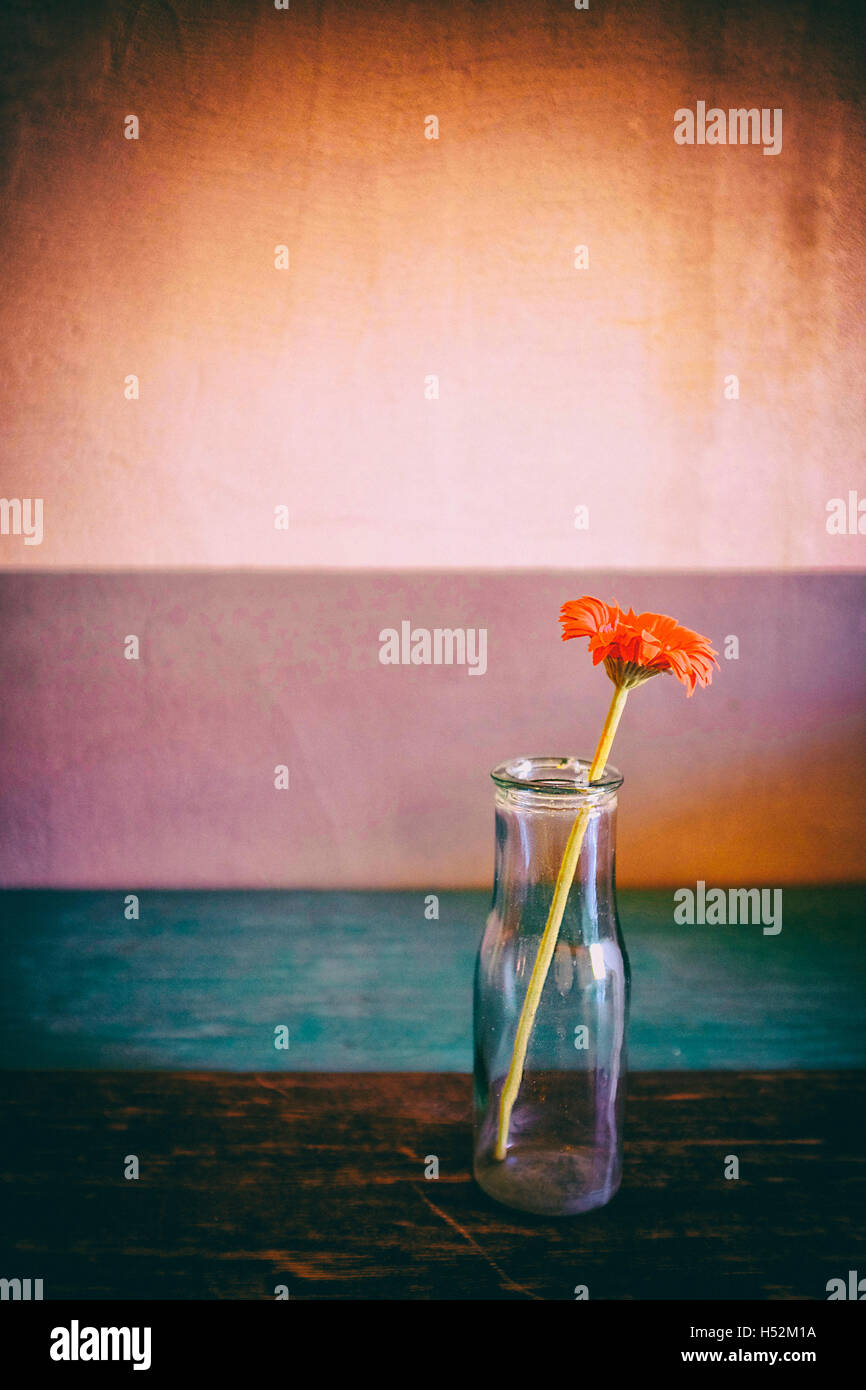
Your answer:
<point x="304" y="387"/>
<point x="160" y="771"/>
<point x="559" y="387"/>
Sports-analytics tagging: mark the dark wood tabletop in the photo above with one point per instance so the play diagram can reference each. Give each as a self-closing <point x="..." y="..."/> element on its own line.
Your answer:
<point x="316" y="1182"/>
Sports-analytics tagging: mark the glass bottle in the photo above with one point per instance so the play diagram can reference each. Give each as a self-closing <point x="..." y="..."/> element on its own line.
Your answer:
<point x="563" y="1139"/>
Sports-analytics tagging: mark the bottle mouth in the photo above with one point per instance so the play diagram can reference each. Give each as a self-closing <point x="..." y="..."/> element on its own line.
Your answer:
<point x="562" y="777"/>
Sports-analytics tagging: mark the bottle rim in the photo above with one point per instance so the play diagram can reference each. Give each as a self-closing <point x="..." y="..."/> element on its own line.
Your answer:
<point x="555" y="776"/>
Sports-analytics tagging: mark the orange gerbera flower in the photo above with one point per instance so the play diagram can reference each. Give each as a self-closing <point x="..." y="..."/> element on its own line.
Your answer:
<point x="636" y="646"/>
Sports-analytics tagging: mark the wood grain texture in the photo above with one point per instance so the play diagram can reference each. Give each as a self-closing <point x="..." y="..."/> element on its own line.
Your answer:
<point x="316" y="1181"/>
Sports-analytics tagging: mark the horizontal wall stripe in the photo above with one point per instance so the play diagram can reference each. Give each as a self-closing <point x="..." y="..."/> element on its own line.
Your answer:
<point x="160" y="771"/>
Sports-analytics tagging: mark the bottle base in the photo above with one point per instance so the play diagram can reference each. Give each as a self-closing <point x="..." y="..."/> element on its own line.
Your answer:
<point x="547" y="1184"/>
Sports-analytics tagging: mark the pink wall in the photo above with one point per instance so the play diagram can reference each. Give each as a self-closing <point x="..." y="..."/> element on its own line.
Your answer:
<point x="160" y="772"/>
<point x="559" y="387"/>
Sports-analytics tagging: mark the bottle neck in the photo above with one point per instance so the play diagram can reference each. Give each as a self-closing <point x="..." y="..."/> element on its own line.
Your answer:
<point x="532" y="834"/>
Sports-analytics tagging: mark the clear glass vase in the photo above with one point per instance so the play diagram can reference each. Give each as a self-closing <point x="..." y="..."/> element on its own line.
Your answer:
<point x="562" y="1144"/>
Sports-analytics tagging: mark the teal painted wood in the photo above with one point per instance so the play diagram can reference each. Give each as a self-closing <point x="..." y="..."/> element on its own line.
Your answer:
<point x="365" y="983"/>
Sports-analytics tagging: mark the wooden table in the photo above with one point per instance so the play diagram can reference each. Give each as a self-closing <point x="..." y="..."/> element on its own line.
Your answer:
<point x="365" y="983"/>
<point x="316" y="1181"/>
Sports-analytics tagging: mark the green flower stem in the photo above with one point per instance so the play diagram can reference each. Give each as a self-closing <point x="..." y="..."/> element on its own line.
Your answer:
<point x="564" y="880"/>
